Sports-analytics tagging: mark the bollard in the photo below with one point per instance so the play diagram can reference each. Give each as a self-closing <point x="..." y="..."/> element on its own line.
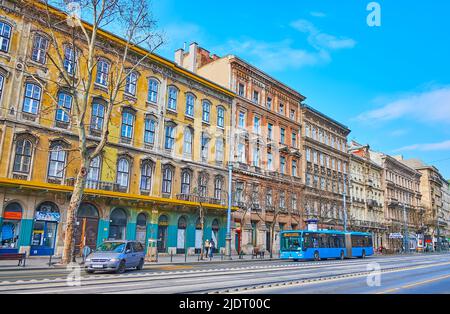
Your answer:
<point x="50" y="261"/>
<point x="171" y="256"/>
<point x="185" y="256"/>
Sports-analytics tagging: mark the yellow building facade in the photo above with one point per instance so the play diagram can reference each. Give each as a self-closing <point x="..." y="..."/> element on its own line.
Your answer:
<point x="168" y="149"/>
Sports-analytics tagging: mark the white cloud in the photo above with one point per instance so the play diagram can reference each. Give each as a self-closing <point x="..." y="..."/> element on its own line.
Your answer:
<point x="321" y="40"/>
<point x="317" y="14"/>
<point x="427" y="147"/>
<point x="427" y="106"/>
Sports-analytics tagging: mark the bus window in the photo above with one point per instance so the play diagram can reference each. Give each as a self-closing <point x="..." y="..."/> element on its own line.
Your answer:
<point x="323" y="241"/>
<point x="311" y="240"/>
<point x="290" y="244"/>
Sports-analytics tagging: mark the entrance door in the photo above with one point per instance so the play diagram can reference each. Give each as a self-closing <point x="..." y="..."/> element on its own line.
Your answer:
<point x="162" y="239"/>
<point x="86" y="228"/>
<point x="237" y="241"/>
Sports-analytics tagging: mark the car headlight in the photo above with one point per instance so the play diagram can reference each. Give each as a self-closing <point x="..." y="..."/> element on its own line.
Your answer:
<point x="114" y="260"/>
<point x="88" y="259"/>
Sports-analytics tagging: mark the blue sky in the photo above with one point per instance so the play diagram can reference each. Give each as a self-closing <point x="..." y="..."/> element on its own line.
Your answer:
<point x="389" y="84"/>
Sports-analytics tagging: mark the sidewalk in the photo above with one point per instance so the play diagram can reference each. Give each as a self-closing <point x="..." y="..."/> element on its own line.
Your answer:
<point x="42" y="263"/>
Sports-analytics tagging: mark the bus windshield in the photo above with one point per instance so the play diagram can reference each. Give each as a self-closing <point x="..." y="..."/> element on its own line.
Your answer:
<point x="291" y="244"/>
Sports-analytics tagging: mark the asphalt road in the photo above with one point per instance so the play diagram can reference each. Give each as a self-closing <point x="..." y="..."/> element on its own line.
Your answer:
<point x="393" y="274"/>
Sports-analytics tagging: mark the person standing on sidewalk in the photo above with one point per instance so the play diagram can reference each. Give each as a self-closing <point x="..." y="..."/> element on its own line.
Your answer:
<point x="207" y="246"/>
<point x="211" y="249"/>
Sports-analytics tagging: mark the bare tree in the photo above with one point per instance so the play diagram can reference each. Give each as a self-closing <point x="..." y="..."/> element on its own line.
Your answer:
<point x="74" y="50"/>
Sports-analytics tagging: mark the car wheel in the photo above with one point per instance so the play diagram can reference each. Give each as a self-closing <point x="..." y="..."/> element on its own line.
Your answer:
<point x="342" y="257"/>
<point x="140" y="266"/>
<point x="316" y="256"/>
<point x="89" y="271"/>
<point x="121" y="268"/>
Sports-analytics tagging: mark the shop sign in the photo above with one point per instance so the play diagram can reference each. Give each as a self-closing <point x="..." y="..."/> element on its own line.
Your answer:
<point x="395" y="236"/>
<point x="47" y="216"/>
<point x="13" y="215"/>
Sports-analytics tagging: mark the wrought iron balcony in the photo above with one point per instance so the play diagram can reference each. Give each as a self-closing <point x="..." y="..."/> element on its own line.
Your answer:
<point x="200" y="199"/>
<point x="100" y="185"/>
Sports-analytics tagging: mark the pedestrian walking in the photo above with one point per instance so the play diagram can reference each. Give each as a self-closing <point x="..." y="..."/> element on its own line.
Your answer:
<point x="207" y="246"/>
<point x="212" y="248"/>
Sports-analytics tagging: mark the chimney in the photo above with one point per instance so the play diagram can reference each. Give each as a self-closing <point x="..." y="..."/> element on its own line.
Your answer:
<point x="179" y="56"/>
<point x="191" y="58"/>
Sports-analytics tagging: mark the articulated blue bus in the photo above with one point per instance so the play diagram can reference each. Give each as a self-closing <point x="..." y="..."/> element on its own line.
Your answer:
<point x="323" y="244"/>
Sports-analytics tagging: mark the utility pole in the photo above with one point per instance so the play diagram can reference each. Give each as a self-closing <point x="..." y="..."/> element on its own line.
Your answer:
<point x="406" y="237"/>
<point x="345" y="204"/>
<point x="228" y="236"/>
<point x="438" y="245"/>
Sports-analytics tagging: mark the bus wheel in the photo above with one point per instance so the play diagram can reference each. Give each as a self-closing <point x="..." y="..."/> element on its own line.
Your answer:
<point x="316" y="256"/>
<point x="342" y="256"/>
<point x="363" y="254"/>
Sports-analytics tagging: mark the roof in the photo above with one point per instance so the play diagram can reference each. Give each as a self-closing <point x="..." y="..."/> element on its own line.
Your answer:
<point x="346" y="128"/>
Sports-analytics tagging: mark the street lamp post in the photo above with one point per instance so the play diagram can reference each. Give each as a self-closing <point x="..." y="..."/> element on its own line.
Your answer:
<point x="345" y="204"/>
<point x="406" y="237"/>
<point x="228" y="236"/>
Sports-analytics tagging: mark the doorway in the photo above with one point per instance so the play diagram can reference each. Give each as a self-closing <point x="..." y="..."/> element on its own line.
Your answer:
<point x="86" y="230"/>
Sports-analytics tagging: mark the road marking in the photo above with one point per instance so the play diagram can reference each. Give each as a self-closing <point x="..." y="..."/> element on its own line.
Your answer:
<point x="419" y="283"/>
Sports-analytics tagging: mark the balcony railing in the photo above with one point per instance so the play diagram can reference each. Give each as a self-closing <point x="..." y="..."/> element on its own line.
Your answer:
<point x="200" y="199"/>
<point x="100" y="185"/>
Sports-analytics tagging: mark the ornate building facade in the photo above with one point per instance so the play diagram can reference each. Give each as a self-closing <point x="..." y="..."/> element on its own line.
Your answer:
<point x="325" y="164"/>
<point x="267" y="159"/>
<point x="168" y="149"/>
<point x="366" y="193"/>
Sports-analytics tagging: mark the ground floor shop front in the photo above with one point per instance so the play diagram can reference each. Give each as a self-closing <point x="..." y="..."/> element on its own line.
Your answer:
<point x="34" y="223"/>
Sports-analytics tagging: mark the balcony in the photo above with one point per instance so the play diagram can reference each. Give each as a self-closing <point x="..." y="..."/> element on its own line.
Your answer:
<point x="100" y="185"/>
<point x="200" y="199"/>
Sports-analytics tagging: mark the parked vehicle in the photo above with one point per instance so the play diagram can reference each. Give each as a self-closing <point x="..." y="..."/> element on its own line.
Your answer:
<point x="116" y="256"/>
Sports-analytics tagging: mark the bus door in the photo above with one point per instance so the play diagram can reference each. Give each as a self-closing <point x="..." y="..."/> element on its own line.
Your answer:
<point x="348" y="244"/>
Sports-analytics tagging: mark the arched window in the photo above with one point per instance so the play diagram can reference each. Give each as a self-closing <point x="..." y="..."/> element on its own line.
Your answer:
<point x="57" y="162"/>
<point x="167" y="180"/>
<point x="98" y="116"/>
<point x="149" y="133"/>
<point x="22" y="158"/>
<point x="87" y="210"/>
<point x="182" y="223"/>
<point x="131" y="84"/>
<point x="170" y="136"/>
<point x="123" y="172"/>
<point x="64" y="107"/>
<point x="141" y="228"/>
<point x="102" y="72"/>
<point x="188" y="140"/>
<point x="220" y="117"/>
<point x="186" y="182"/>
<point x="94" y="173"/>
<point x="153" y="86"/>
<point x="146" y="175"/>
<point x="218" y="186"/>
<point x="203" y="184"/>
<point x="163" y="224"/>
<point x="190" y="102"/>
<point x="117" y="224"/>
<point x="32" y="98"/>
<point x="206" y="106"/>
<point x="173" y="95"/>
<point x="5" y="36"/>
<point x="40" y="46"/>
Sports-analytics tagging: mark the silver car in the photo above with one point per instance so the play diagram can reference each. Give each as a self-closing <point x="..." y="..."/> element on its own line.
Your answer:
<point x="116" y="256"/>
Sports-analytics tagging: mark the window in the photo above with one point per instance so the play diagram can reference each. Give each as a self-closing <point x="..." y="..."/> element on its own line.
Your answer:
<point x="190" y="100"/>
<point x="186" y="182"/>
<point x="94" y="171"/>
<point x="307" y="131"/>
<point x="269" y="103"/>
<point x="146" y="176"/>
<point x="218" y="185"/>
<point x="219" y="150"/>
<point x="131" y="83"/>
<point x="308" y="155"/>
<point x="123" y="172"/>
<point x="292" y="114"/>
<point x="5" y="36"/>
<point x="241" y="152"/>
<point x="282" y="200"/>
<point x="127" y="124"/>
<point x="256" y="97"/>
<point x="70" y="60"/>
<point x="57" y="162"/>
<point x="153" y="86"/>
<point x="256" y="156"/>
<point x="204" y="148"/>
<point x="294" y="140"/>
<point x="22" y="158"/>
<point x="283" y="164"/>
<point x="220" y="117"/>
<point x="173" y="95"/>
<point x="102" y="73"/>
<point x="322" y="160"/>
<point x="149" y="133"/>
<point x="269" y="161"/>
<point x="241" y="119"/>
<point x="241" y="90"/>
<point x="294" y="168"/>
<point x="203" y="185"/>
<point x="32" y="98"/>
<point x="281" y="109"/>
<point x="270" y="131"/>
<point x="257" y="125"/>
<point x="187" y="145"/>
<point x="64" y="107"/>
<point x="239" y="191"/>
<point x="1" y="86"/>
<point x="170" y="136"/>
<point x="269" y="198"/>
<point x="315" y="157"/>
<point x="283" y="135"/>
<point x="98" y="115"/>
<point x="39" y="51"/>
<point x="294" y="202"/>
<point x="206" y="110"/>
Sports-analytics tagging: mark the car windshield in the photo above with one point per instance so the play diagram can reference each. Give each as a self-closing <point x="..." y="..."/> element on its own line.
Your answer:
<point x="290" y="244"/>
<point x="112" y="247"/>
